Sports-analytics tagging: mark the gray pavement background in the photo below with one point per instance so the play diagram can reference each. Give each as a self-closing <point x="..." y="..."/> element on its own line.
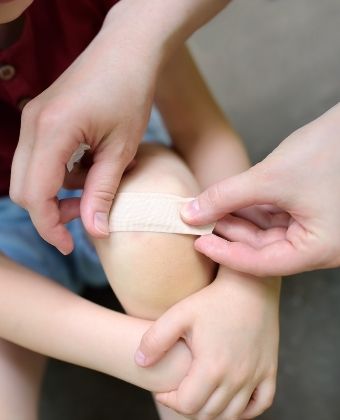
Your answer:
<point x="274" y="65"/>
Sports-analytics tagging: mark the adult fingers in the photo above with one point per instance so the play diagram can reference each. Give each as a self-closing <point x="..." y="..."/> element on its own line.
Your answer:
<point x="48" y="220"/>
<point x="227" y="196"/>
<point x="276" y="259"/>
<point x="193" y="392"/>
<point x="261" y="400"/>
<point x="109" y="163"/>
<point x="161" y="336"/>
<point x="264" y="218"/>
<point x="44" y="176"/>
<point x="76" y="178"/>
<point x="240" y="230"/>
<point x="22" y="156"/>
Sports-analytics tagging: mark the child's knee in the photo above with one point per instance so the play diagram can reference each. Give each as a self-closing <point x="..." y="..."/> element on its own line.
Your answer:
<point x="151" y="271"/>
<point x="159" y="170"/>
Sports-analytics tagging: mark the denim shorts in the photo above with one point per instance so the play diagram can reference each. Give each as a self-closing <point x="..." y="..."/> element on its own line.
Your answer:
<point x="20" y="241"/>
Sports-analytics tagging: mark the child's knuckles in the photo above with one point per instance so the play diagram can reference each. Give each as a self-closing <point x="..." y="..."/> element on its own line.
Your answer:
<point x="216" y="371"/>
<point x="239" y="376"/>
<point x="187" y="409"/>
<point x="188" y="406"/>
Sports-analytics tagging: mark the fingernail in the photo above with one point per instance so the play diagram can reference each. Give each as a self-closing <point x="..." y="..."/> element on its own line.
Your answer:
<point x="190" y="210"/>
<point x="140" y="358"/>
<point x="101" y="223"/>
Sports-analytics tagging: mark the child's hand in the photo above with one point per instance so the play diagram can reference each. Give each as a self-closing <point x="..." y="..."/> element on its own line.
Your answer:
<point x="232" y="329"/>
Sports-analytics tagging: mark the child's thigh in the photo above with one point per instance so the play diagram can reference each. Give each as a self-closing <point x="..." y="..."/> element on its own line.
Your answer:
<point x="150" y="271"/>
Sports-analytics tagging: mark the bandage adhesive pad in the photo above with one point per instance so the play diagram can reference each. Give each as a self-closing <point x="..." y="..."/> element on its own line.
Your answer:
<point x="151" y="212"/>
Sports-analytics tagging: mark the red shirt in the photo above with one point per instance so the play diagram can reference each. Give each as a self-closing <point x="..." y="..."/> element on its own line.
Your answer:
<point x="55" y="32"/>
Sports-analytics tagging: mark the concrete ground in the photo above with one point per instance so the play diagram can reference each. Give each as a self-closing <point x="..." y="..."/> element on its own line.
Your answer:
<point x="274" y="65"/>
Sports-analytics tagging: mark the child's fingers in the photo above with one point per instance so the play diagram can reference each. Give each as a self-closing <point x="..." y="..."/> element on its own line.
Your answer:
<point x="262" y="399"/>
<point x="235" y="407"/>
<point x="161" y="336"/>
<point x="276" y="259"/>
<point x="217" y="402"/>
<point x="193" y="392"/>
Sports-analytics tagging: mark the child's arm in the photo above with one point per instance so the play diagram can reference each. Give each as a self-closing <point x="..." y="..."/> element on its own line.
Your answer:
<point x="39" y="314"/>
<point x="245" y="309"/>
<point x="200" y="132"/>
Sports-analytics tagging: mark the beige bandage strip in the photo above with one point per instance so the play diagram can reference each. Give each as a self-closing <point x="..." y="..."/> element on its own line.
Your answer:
<point x="151" y="212"/>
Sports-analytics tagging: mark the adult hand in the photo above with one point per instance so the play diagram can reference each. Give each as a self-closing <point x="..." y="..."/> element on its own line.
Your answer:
<point x="231" y="328"/>
<point x="103" y="99"/>
<point x="281" y="216"/>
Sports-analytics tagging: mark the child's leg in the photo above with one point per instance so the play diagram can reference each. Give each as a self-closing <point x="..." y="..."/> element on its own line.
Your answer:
<point x="148" y="271"/>
<point x="21" y="373"/>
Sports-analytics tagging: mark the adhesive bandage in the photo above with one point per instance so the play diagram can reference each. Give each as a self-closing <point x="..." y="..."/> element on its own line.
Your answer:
<point x="151" y="212"/>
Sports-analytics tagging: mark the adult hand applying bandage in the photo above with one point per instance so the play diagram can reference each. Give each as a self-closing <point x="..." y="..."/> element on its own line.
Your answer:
<point x="281" y="216"/>
<point x="104" y="100"/>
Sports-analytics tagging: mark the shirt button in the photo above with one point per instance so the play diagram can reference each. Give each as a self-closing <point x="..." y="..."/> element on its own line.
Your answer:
<point x="23" y="102"/>
<point x="7" y="72"/>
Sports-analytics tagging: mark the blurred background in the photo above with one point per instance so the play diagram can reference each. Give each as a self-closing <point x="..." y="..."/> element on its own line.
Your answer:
<point x="273" y="65"/>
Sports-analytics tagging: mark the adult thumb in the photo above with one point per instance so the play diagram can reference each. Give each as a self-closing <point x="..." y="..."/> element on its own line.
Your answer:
<point x="101" y="184"/>
<point x="227" y="196"/>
